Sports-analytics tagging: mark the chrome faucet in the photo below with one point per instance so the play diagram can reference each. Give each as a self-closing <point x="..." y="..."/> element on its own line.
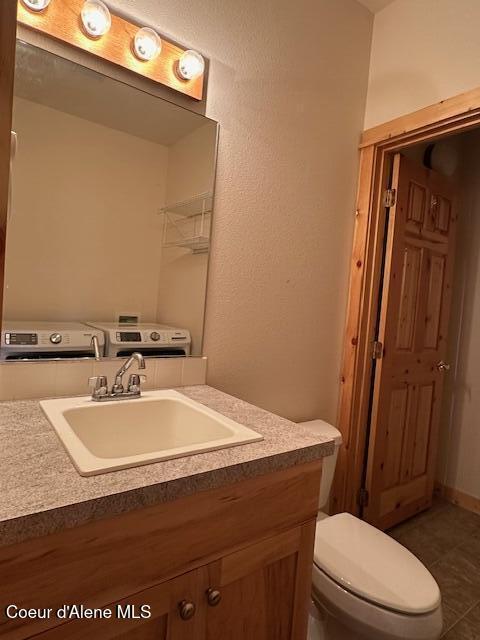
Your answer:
<point x="96" y="347"/>
<point x="99" y="384"/>
<point x="118" y="385"/>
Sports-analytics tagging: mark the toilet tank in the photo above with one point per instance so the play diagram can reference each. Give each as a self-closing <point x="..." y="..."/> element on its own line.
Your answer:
<point x="319" y="427"/>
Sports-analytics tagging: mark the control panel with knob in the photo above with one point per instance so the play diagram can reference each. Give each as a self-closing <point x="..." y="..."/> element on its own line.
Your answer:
<point x="155" y="336"/>
<point x="56" y="338"/>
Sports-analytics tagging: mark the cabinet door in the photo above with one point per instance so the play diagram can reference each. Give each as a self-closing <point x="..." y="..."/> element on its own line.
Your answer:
<point x="264" y="589"/>
<point x="166" y="603"/>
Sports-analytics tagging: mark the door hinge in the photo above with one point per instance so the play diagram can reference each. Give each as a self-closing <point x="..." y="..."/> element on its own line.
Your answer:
<point x="363" y="497"/>
<point x="389" y="197"/>
<point x="377" y="351"/>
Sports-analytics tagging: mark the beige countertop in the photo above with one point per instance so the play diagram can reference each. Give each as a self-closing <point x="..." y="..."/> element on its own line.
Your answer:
<point x="41" y="492"/>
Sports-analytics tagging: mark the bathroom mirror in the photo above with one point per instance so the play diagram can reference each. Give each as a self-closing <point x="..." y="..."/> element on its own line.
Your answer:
<point x="109" y="218"/>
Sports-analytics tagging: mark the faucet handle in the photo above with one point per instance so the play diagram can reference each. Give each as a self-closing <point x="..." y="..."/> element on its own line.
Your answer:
<point x="99" y="385"/>
<point x="135" y="381"/>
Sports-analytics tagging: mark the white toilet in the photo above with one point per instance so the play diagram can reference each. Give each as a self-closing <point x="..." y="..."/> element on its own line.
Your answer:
<point x="366" y="586"/>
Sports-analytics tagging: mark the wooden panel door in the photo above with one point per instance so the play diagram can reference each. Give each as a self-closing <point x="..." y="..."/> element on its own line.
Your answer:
<point x="413" y="328"/>
<point x="264" y="589"/>
<point x="161" y="621"/>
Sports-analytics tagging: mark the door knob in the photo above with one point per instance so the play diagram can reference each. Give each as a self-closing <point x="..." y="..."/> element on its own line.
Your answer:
<point x="213" y="597"/>
<point x="186" y="609"/>
<point x="443" y="366"/>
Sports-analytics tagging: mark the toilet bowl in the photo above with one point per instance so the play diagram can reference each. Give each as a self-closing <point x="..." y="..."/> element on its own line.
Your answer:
<point x="365" y="585"/>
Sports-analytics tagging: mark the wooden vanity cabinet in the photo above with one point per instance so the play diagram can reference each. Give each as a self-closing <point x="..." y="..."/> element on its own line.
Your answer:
<point x="243" y="573"/>
<point x="256" y="593"/>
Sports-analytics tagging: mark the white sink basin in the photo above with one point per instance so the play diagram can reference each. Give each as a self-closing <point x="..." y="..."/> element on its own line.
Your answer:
<point x="102" y="437"/>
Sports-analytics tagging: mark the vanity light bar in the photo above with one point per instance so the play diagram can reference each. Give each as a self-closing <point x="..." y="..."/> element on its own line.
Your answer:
<point x="89" y="25"/>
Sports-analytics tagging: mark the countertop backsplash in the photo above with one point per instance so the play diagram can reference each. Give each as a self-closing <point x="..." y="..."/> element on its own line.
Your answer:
<point x="46" y="379"/>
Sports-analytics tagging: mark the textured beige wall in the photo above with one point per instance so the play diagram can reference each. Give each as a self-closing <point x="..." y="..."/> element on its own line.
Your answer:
<point x="287" y="84"/>
<point x="84" y="242"/>
<point x="423" y="51"/>
<point x="460" y="436"/>
<point x="191" y="164"/>
<point x="183" y="280"/>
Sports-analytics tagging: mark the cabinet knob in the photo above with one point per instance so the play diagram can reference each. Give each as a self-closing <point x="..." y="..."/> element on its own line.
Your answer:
<point x="213" y="597"/>
<point x="186" y="609"/>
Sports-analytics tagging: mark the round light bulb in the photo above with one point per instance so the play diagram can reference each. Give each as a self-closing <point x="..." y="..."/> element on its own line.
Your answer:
<point x="191" y="65"/>
<point x="147" y="44"/>
<point x="96" y="18"/>
<point x="36" y="5"/>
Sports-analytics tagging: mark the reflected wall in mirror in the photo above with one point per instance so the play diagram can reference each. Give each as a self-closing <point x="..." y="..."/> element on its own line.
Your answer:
<point x="110" y="213"/>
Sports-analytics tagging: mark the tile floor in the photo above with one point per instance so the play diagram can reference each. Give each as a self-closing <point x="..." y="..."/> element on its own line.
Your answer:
<point x="446" y="539"/>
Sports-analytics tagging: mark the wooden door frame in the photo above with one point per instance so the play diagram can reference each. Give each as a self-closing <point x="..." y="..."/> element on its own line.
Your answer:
<point x="377" y="146"/>
<point x="8" y="22"/>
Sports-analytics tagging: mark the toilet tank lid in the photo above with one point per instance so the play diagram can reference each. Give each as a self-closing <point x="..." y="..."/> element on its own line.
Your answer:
<point x="322" y="428"/>
<point x="370" y="564"/>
